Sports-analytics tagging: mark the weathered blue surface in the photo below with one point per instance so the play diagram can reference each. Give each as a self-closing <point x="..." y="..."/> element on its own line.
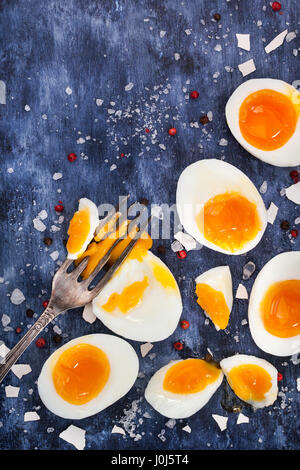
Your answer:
<point x="96" y="49"/>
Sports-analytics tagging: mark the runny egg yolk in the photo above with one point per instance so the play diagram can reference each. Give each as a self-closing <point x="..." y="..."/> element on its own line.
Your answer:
<point x="96" y="251"/>
<point x="80" y="373"/>
<point x="250" y="382"/>
<point x="129" y="297"/>
<point x="214" y="304"/>
<point x="163" y="276"/>
<point x="267" y="119"/>
<point x="280" y="309"/>
<point x="79" y="230"/>
<point x="229" y="220"/>
<point x="190" y="376"/>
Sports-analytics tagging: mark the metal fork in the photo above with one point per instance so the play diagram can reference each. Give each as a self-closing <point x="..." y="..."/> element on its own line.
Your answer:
<point x="68" y="292"/>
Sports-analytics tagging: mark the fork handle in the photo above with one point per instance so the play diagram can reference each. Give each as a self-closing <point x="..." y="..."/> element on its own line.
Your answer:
<point x="47" y="316"/>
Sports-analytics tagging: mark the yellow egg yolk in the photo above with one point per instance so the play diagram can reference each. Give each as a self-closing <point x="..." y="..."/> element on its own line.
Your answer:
<point x="129" y="297"/>
<point x="214" y="304"/>
<point x="79" y="230"/>
<point x="96" y="251"/>
<point x="229" y="220"/>
<point x="250" y="382"/>
<point x="280" y="309"/>
<point x="190" y="376"/>
<point x="80" y="373"/>
<point x="267" y="119"/>
<point x="163" y="276"/>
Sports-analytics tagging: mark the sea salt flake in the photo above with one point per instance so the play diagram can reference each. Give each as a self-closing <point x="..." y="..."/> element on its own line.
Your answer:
<point x="113" y="167"/>
<point x="248" y="270"/>
<point x="187" y="429"/>
<point x="68" y="91"/>
<point x="186" y="240"/>
<point x="54" y="255"/>
<point x="43" y="214"/>
<point x="176" y="246"/>
<point x="12" y="392"/>
<point x="31" y="416"/>
<point x="129" y="86"/>
<point x="75" y="436"/>
<point x="188" y="32"/>
<point x="118" y="430"/>
<point x="223" y="142"/>
<point x="80" y="141"/>
<point x="242" y="419"/>
<point x="276" y="42"/>
<point x="145" y="348"/>
<point x="171" y="423"/>
<point x="272" y="213"/>
<point x="218" y="48"/>
<point x="243" y="41"/>
<point x="88" y="314"/>
<point x="221" y="421"/>
<point x="2" y="92"/>
<point x="247" y="67"/>
<point x="264" y="187"/>
<point x="21" y="369"/>
<point x="241" y="292"/>
<point x="290" y="36"/>
<point x="99" y="102"/>
<point x="27" y="108"/>
<point x="57" y="176"/>
<point x="5" y="320"/>
<point x="176" y="56"/>
<point x="162" y="34"/>
<point x="39" y="225"/>
<point x="293" y="193"/>
<point x="17" y="297"/>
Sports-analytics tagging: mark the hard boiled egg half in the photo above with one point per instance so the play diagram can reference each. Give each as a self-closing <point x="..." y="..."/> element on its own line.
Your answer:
<point x="214" y="295"/>
<point x="181" y="388"/>
<point x="274" y="306"/>
<point x="220" y="207"/>
<point x="263" y="115"/>
<point x="252" y="379"/>
<point x="82" y="228"/>
<point x="87" y="375"/>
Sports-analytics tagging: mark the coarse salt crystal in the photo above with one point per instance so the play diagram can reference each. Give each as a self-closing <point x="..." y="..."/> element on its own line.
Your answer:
<point x="243" y="41"/>
<point x="75" y="436"/>
<point x="247" y="67"/>
<point x="272" y="213"/>
<point x="57" y="176"/>
<point x="242" y="419"/>
<point x="17" y="297"/>
<point x="293" y="193"/>
<point x="118" y="430"/>
<point x="241" y="292"/>
<point x="145" y="349"/>
<point x="186" y="240"/>
<point x="88" y="314"/>
<point x="31" y="416"/>
<point x="12" y="392"/>
<point x="221" y="421"/>
<point x="21" y="369"/>
<point x="276" y="42"/>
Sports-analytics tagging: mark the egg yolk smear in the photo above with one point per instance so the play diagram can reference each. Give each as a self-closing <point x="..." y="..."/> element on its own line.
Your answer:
<point x="80" y="373"/>
<point x="129" y="297"/>
<point x="190" y="376"/>
<point x="214" y="304"/>
<point x="280" y="309"/>
<point x="79" y="230"/>
<point x="163" y="276"/>
<point x="229" y="220"/>
<point x="249" y="381"/>
<point x="267" y="119"/>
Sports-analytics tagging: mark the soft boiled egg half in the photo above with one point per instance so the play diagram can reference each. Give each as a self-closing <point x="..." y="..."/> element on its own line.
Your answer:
<point x="274" y="306"/>
<point x="142" y="301"/>
<point x="82" y="228"/>
<point x="214" y="295"/>
<point x="252" y="379"/>
<point x="181" y="388"/>
<point x="263" y="115"/>
<point x="220" y="207"/>
<point x="87" y="375"/>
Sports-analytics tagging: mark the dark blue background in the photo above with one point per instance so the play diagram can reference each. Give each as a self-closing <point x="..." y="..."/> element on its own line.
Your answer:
<point x="97" y="48"/>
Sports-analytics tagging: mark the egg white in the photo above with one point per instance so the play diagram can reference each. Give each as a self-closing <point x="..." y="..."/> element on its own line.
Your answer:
<point x="205" y="179"/>
<point x="288" y="154"/>
<point x="124" y="366"/>
<point x="94" y="222"/>
<point x="239" y="359"/>
<point x="280" y="268"/>
<point x="220" y="279"/>
<point x="157" y="314"/>
<point x="177" y="405"/>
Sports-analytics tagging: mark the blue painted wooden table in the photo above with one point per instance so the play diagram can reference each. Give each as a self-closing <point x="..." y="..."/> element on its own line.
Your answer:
<point x="89" y="78"/>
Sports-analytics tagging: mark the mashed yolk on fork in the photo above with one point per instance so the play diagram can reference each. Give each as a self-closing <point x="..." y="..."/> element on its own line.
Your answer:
<point x="79" y="230"/>
<point x="250" y="381"/>
<point x="214" y="304"/>
<point x="229" y="220"/>
<point x="280" y="309"/>
<point x="190" y="376"/>
<point x="80" y="373"/>
<point x="267" y="119"/>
